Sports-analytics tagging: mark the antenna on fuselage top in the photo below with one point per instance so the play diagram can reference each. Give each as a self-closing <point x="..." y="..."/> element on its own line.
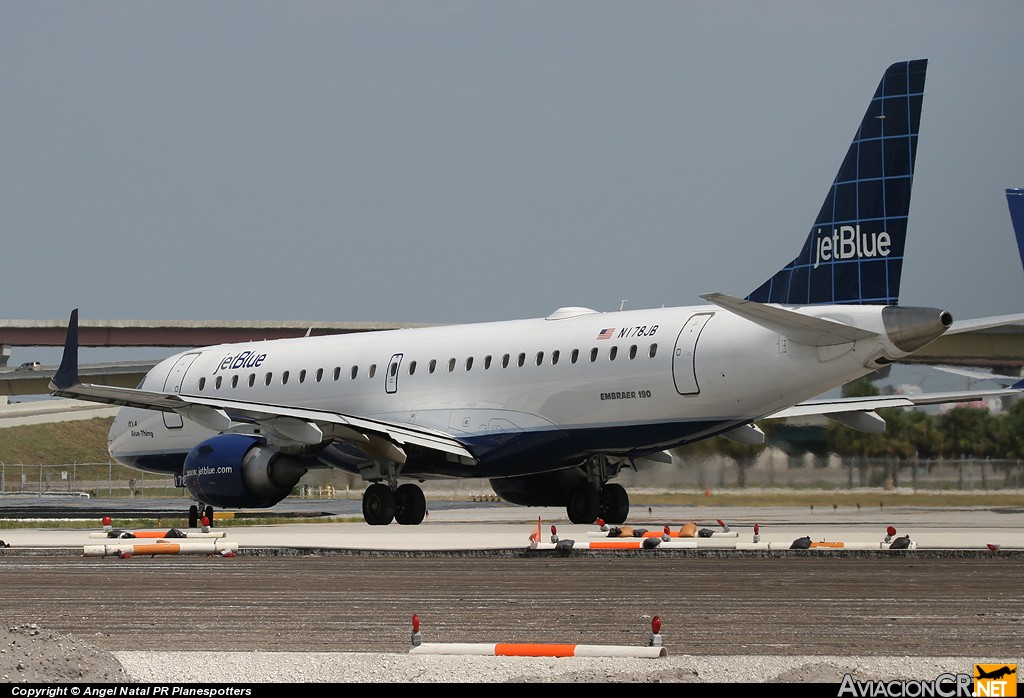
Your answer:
<point x="622" y="303"/>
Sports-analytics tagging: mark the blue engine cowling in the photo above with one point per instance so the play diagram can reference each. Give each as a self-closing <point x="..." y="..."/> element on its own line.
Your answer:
<point x="236" y="470"/>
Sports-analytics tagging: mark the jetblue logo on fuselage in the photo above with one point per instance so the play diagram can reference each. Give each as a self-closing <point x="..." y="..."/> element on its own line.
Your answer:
<point x="847" y="242"/>
<point x="245" y="359"/>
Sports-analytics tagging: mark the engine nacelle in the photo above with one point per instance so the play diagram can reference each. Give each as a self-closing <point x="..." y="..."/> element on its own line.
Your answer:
<point x="551" y="489"/>
<point x="237" y="470"/>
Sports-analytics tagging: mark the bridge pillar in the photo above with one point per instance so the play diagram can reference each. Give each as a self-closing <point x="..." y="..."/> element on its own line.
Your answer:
<point x="5" y="355"/>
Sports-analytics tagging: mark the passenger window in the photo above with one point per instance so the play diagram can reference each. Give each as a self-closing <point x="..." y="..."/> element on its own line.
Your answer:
<point x="412" y="367"/>
<point x="554" y="357"/>
<point x="574" y="357"/>
<point x="355" y="372"/>
<point x="269" y="377"/>
<point x="540" y="358"/>
<point x="487" y="362"/>
<point x="218" y="382"/>
<point x="504" y="361"/>
<point x="469" y="363"/>
<point x="654" y="350"/>
<point x="632" y="352"/>
<point x="373" y="370"/>
<point x="337" y="372"/>
<point x="433" y="365"/>
<point x="319" y="375"/>
<point x="302" y="376"/>
<point x="394" y="369"/>
<point x="612" y="353"/>
<point x="521" y="360"/>
<point x="451" y="365"/>
<point x="202" y="382"/>
<point x="284" y="378"/>
<point x="593" y="355"/>
<point x="234" y="381"/>
<point x="252" y="379"/>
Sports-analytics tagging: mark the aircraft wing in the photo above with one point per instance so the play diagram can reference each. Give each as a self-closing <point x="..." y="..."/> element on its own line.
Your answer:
<point x="293" y="424"/>
<point x="859" y="412"/>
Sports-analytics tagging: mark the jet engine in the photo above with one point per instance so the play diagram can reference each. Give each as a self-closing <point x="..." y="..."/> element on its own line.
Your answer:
<point x="237" y="470"/>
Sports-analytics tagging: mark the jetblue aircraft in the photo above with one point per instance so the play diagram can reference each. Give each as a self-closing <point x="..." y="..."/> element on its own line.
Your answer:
<point x="550" y="409"/>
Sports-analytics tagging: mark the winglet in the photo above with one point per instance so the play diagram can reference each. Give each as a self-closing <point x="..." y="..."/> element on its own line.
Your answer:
<point x="67" y="375"/>
<point x="1015" y="200"/>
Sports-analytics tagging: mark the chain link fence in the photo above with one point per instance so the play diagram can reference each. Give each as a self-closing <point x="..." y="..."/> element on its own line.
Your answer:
<point x="770" y="470"/>
<point x="773" y="469"/>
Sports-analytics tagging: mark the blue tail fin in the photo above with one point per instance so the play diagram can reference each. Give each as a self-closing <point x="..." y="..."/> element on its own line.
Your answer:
<point x="1015" y="199"/>
<point x="854" y="253"/>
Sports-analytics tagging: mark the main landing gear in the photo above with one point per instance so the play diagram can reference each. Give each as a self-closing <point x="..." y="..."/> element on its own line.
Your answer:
<point x="587" y="504"/>
<point x="404" y="504"/>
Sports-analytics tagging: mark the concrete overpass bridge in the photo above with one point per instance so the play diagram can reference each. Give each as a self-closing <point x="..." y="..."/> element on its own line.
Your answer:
<point x="172" y="334"/>
<point x="1000" y="349"/>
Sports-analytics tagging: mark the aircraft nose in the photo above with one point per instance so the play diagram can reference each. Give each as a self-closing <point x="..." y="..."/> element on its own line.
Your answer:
<point x="909" y="329"/>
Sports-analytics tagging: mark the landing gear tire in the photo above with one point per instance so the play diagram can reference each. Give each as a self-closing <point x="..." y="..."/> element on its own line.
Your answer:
<point x="410" y="505"/>
<point x="193" y="516"/>
<point x="209" y="515"/>
<point x="614" y="504"/>
<point x="583" y="505"/>
<point x="378" y="505"/>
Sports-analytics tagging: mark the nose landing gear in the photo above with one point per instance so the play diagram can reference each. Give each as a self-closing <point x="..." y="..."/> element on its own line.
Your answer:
<point x="194" y="516"/>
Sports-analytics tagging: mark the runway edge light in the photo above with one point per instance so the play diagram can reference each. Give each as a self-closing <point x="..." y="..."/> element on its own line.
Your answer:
<point x="417" y="637"/>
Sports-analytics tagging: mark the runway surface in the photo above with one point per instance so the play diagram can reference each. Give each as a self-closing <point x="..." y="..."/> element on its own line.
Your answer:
<point x="470" y="575"/>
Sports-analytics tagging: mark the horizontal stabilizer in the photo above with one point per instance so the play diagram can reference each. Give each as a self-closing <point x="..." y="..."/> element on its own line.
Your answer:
<point x="984" y="323"/>
<point x="980" y="375"/>
<point x="800" y="328"/>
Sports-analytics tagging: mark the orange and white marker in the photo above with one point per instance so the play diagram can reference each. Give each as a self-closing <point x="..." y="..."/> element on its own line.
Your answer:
<point x="538" y="649"/>
<point x="162" y="547"/>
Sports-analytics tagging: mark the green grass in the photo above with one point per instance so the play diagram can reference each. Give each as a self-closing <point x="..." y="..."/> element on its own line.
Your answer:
<point x="57" y="443"/>
<point x="167" y="523"/>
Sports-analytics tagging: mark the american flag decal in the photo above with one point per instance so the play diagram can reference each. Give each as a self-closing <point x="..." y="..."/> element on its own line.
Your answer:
<point x="606" y="334"/>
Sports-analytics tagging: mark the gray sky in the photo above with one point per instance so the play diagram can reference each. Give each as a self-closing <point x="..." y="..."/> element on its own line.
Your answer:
<point x="467" y="161"/>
